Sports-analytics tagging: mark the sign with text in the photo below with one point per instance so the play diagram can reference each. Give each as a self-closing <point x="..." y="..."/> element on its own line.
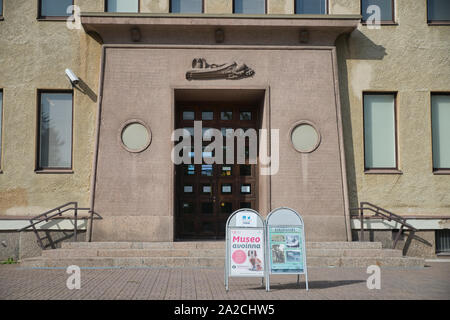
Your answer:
<point x="285" y="244"/>
<point x="247" y="252"/>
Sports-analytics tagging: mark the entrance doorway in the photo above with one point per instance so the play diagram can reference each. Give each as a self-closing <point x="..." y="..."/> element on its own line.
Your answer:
<point x="206" y="194"/>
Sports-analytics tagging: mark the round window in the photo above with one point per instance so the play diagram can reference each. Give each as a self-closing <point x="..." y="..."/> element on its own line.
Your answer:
<point x="135" y="136"/>
<point x="305" y="137"/>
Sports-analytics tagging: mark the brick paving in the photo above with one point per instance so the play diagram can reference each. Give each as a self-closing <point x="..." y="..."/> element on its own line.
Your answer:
<point x="431" y="282"/>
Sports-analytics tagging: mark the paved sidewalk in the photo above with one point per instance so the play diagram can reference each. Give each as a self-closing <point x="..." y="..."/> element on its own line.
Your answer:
<point x="431" y="282"/>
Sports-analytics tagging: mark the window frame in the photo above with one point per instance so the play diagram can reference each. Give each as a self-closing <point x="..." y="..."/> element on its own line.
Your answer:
<point x="327" y="11"/>
<point x="392" y="22"/>
<point x="436" y="171"/>
<point x="40" y="17"/>
<point x="233" y="8"/>
<point x="203" y="8"/>
<point x="38" y="168"/>
<point x="435" y="22"/>
<point x="388" y="170"/>
<point x="105" y="9"/>
<point x="2" y="7"/>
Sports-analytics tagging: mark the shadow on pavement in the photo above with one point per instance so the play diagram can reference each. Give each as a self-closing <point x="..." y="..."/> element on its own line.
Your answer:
<point x="312" y="284"/>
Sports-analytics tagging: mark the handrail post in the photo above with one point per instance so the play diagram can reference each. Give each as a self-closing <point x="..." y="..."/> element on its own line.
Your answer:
<point x="76" y="220"/>
<point x="361" y="219"/>
<point x="90" y="225"/>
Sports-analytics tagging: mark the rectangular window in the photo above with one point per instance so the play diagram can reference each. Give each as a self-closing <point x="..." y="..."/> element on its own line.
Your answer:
<point x="1" y="8"/>
<point x="249" y="6"/>
<point x="438" y="11"/>
<point x="55" y="130"/>
<point x="311" y="6"/>
<point x="54" y="8"/>
<point x="122" y="6"/>
<point x="386" y="8"/>
<point x="380" y="131"/>
<point x="440" y="123"/>
<point x="186" y="6"/>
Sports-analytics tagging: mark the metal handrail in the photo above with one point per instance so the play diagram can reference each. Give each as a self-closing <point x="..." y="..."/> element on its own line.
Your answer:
<point x="383" y="214"/>
<point x="58" y="212"/>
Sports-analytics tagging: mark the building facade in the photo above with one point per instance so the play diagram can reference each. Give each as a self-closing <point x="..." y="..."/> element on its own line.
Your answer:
<point x="355" y="114"/>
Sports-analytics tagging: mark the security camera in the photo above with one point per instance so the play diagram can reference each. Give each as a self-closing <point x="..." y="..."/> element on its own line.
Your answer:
<point x="72" y="77"/>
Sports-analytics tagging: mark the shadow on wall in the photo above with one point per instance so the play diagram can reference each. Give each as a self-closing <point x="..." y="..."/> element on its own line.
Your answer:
<point x="84" y="88"/>
<point x="354" y="46"/>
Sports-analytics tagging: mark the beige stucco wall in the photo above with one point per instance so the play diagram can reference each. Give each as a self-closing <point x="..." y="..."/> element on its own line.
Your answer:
<point x="34" y="55"/>
<point x="411" y="58"/>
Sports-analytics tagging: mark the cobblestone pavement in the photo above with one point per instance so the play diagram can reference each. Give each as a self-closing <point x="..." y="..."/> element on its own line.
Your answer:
<point x="431" y="282"/>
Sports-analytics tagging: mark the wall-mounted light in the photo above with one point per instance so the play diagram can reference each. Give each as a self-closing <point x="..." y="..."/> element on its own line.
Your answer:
<point x="72" y="77"/>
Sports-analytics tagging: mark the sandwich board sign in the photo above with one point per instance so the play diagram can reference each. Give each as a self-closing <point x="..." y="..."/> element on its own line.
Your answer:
<point x="245" y="239"/>
<point x="285" y="244"/>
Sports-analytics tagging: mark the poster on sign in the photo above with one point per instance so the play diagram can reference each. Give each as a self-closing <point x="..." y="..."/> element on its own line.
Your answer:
<point x="247" y="252"/>
<point x="286" y="249"/>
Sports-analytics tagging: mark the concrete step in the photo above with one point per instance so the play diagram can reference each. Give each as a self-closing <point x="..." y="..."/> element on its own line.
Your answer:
<point x="155" y="262"/>
<point x="364" y="262"/>
<point x="368" y="253"/>
<point x="145" y="245"/>
<point x="72" y="253"/>
<point x="195" y="262"/>
<point x="209" y="254"/>
<point x="207" y="245"/>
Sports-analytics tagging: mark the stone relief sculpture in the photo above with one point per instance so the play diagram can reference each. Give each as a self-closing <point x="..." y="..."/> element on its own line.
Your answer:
<point x="201" y="70"/>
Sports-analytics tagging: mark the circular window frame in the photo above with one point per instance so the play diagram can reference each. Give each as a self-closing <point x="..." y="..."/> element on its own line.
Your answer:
<point x="126" y="124"/>
<point x="303" y="122"/>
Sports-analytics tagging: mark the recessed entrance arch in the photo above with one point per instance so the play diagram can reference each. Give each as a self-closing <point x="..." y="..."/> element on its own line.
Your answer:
<point x="206" y="194"/>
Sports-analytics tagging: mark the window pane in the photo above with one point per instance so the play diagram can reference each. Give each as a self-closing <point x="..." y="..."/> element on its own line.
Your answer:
<point x="207" y="207"/>
<point x="188" y="115"/>
<point x="385" y="9"/>
<point x="207" y="170"/>
<point x="245" y="115"/>
<point x="226" y="115"/>
<point x="226" y="188"/>
<point x="440" y="117"/>
<point x="1" y="7"/>
<point x="249" y="6"/>
<point x="311" y="6"/>
<point x="123" y="5"/>
<point x="189" y="169"/>
<point x="379" y="131"/>
<point x="55" y="8"/>
<point x="246" y="188"/>
<point x="188" y="207"/>
<point x="226" y="207"/>
<point x="186" y="6"/>
<point x="207" y="115"/>
<point x="245" y="170"/>
<point x="55" y="150"/>
<point x="439" y="10"/>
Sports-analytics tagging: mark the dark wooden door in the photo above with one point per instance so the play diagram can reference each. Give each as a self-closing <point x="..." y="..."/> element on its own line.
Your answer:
<point x="206" y="194"/>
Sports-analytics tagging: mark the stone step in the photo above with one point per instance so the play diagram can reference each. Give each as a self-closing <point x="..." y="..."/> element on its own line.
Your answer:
<point x="344" y="245"/>
<point x="105" y="262"/>
<point x="145" y="245"/>
<point x="195" y="262"/>
<point x="71" y="253"/>
<point x="206" y="253"/>
<point x="364" y="262"/>
<point x="207" y="245"/>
